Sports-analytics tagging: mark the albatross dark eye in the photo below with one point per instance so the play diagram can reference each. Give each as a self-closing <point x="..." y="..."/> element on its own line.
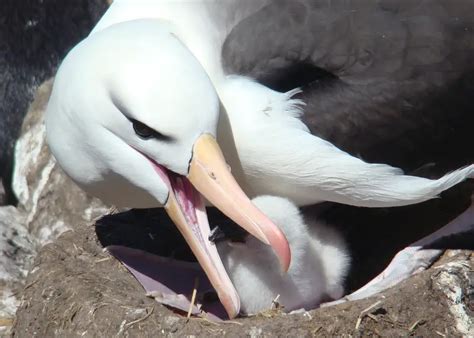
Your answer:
<point x="143" y="130"/>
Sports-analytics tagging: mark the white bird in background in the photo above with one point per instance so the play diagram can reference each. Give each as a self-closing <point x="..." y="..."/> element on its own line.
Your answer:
<point x="319" y="265"/>
<point x="141" y="109"/>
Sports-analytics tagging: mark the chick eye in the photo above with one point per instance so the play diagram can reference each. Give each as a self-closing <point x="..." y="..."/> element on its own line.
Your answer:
<point x="143" y="130"/>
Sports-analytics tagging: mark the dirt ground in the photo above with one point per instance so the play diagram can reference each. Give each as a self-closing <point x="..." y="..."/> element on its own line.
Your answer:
<point x="77" y="289"/>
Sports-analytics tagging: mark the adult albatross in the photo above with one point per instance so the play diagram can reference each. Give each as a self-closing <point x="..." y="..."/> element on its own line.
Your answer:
<point x="137" y="106"/>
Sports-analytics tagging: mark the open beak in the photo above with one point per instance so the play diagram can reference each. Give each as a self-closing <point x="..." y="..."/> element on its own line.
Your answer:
<point x="210" y="176"/>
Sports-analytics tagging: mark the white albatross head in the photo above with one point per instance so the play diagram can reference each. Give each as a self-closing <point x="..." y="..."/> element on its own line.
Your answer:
<point x="132" y="120"/>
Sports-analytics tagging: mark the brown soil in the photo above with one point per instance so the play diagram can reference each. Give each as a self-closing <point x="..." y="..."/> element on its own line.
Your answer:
<point x="75" y="289"/>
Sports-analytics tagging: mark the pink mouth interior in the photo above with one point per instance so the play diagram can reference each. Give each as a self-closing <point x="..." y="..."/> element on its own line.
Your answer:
<point x="192" y="205"/>
<point x="187" y="196"/>
<point x="190" y="202"/>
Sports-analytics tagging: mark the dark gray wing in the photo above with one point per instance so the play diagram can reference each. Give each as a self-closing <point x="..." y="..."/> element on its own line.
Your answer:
<point x="389" y="81"/>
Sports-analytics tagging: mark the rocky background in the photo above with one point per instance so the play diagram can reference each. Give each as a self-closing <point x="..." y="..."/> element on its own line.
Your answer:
<point x="48" y="204"/>
<point x="55" y="279"/>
